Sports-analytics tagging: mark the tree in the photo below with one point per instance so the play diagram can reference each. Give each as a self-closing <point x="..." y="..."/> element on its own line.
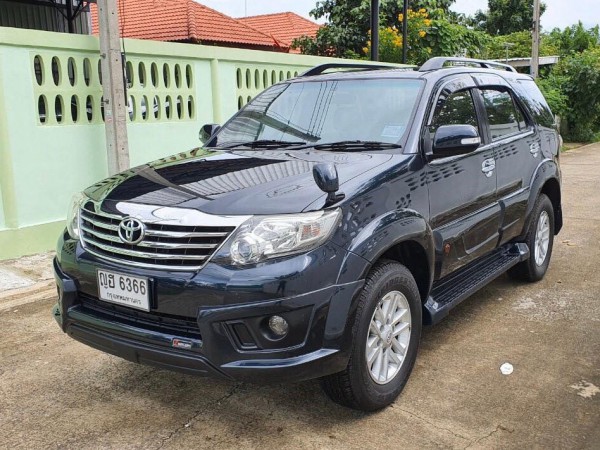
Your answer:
<point x="428" y="37"/>
<point x="574" y="86"/>
<point x="574" y="39"/>
<point x="517" y="45"/>
<point x="506" y="16"/>
<point x="346" y="32"/>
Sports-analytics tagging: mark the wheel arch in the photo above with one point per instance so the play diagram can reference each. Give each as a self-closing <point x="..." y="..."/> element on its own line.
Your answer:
<point x="546" y="180"/>
<point x="402" y="236"/>
<point x="551" y="189"/>
<point x="413" y="256"/>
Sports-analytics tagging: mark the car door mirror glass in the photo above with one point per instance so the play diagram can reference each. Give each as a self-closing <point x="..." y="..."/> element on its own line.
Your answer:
<point x="208" y="131"/>
<point x="451" y="140"/>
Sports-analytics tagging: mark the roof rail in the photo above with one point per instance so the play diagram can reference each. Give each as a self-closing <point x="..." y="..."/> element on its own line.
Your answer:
<point x="317" y="70"/>
<point x="439" y="61"/>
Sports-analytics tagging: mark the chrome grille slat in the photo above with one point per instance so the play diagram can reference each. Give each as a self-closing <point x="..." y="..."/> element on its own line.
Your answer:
<point x="106" y="237"/>
<point x="166" y="244"/>
<point x="145" y="254"/>
<point x="182" y="234"/>
<point x="176" y="246"/>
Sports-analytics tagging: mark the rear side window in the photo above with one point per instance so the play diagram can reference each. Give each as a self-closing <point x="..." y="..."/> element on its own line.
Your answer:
<point x="457" y="109"/>
<point x="530" y="94"/>
<point x="504" y="116"/>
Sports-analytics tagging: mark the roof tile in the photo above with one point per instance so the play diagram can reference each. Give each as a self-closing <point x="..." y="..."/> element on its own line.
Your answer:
<point x="184" y="20"/>
<point x="285" y="27"/>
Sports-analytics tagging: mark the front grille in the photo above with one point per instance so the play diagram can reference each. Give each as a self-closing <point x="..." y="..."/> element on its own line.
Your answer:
<point x="175" y="247"/>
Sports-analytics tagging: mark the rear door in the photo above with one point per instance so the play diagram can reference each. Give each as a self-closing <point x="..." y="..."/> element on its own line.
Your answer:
<point x="518" y="151"/>
<point x="464" y="212"/>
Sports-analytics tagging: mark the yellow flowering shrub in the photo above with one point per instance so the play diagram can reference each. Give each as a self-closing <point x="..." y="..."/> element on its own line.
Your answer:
<point x="390" y="39"/>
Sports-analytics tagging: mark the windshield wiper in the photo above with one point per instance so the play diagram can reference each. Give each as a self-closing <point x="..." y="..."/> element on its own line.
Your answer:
<point x="266" y="143"/>
<point x="356" y="145"/>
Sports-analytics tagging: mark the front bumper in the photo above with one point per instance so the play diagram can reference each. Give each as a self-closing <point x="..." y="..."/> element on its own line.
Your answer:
<point x="318" y="343"/>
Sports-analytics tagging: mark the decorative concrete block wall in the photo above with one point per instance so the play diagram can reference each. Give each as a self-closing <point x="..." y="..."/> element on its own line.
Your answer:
<point x="52" y="141"/>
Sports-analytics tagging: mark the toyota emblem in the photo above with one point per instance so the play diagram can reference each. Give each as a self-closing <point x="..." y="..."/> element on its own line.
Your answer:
<point x="131" y="230"/>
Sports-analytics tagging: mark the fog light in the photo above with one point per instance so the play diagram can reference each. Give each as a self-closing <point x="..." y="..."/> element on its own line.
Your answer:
<point x="278" y="326"/>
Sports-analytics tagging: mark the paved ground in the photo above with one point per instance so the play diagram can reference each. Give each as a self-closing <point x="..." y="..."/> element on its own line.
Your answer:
<point x="57" y="393"/>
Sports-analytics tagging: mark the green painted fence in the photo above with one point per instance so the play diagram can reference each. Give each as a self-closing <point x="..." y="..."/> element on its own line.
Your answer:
<point x="52" y="140"/>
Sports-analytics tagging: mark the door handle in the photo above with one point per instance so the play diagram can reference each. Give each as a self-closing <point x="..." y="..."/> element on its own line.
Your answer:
<point x="488" y="166"/>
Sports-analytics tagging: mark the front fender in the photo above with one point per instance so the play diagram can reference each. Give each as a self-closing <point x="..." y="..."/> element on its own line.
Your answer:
<point x="381" y="234"/>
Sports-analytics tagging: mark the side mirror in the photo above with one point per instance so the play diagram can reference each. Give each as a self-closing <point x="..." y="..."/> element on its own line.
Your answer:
<point x="451" y="140"/>
<point x="207" y="131"/>
<point x="326" y="177"/>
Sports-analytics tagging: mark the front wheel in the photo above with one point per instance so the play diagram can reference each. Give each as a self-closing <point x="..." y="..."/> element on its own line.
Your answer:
<point x="539" y="239"/>
<point x="386" y="333"/>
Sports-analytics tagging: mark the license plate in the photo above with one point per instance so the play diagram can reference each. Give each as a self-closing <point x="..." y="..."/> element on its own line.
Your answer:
<point x="124" y="290"/>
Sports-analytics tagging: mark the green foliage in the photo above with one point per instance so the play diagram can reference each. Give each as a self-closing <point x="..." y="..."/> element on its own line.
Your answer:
<point x="573" y="91"/>
<point x="391" y="39"/>
<point x="346" y="32"/>
<point x="505" y="16"/>
<point x="573" y="39"/>
<point x="518" y="45"/>
<point x="427" y="37"/>
<point x="452" y="39"/>
<point x="557" y="100"/>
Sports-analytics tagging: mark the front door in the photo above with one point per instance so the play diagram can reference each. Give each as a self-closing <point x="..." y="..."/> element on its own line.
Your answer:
<point x="464" y="211"/>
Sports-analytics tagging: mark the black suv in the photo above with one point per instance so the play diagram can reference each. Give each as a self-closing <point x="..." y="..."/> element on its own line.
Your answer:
<point x="315" y="233"/>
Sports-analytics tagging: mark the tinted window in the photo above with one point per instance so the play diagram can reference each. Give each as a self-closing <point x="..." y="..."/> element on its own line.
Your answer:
<point x="318" y="112"/>
<point x="503" y="116"/>
<point x="530" y="94"/>
<point x="457" y="109"/>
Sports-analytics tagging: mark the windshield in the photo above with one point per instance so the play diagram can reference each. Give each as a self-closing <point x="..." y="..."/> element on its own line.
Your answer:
<point x="323" y="112"/>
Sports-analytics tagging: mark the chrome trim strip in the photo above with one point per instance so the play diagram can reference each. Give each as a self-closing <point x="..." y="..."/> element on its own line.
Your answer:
<point x="106" y="237"/>
<point x="164" y="215"/>
<point x="190" y="268"/>
<point x="106" y="226"/>
<point x="183" y="234"/>
<point x="98" y="213"/>
<point x="169" y="245"/>
<point x="138" y="254"/>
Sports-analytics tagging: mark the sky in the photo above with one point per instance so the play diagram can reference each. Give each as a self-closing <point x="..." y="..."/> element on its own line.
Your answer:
<point x="559" y="13"/>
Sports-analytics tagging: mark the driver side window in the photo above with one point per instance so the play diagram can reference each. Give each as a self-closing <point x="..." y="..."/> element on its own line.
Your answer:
<point x="457" y="109"/>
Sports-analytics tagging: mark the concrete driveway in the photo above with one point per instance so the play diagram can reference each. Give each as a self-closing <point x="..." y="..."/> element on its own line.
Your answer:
<point x="57" y="393"/>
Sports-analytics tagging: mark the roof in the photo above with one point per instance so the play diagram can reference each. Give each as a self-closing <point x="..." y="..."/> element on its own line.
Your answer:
<point x="526" y="62"/>
<point x="183" y="20"/>
<point x="285" y="27"/>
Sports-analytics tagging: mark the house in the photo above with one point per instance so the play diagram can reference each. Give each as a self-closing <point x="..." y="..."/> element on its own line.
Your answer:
<point x="187" y="21"/>
<point x="285" y="27"/>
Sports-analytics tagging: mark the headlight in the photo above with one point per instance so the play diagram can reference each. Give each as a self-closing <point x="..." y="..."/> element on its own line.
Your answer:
<point x="73" y="215"/>
<point x="271" y="236"/>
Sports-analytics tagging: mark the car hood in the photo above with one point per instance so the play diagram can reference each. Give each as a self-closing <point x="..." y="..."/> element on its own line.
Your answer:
<point x="233" y="182"/>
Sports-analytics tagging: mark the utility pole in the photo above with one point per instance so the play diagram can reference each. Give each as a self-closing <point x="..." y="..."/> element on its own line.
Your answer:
<point x="374" y="30"/>
<point x="404" y="31"/>
<point x="535" y="47"/>
<point x="113" y="88"/>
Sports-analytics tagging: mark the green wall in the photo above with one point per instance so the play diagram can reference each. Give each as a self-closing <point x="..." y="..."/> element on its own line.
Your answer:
<point x="48" y="153"/>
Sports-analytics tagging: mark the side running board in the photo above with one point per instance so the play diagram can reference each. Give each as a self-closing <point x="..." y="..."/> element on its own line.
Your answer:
<point x="456" y="287"/>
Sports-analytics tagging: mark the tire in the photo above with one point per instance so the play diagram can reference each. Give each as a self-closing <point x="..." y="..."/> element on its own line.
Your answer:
<point x="388" y="283"/>
<point x="534" y="268"/>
